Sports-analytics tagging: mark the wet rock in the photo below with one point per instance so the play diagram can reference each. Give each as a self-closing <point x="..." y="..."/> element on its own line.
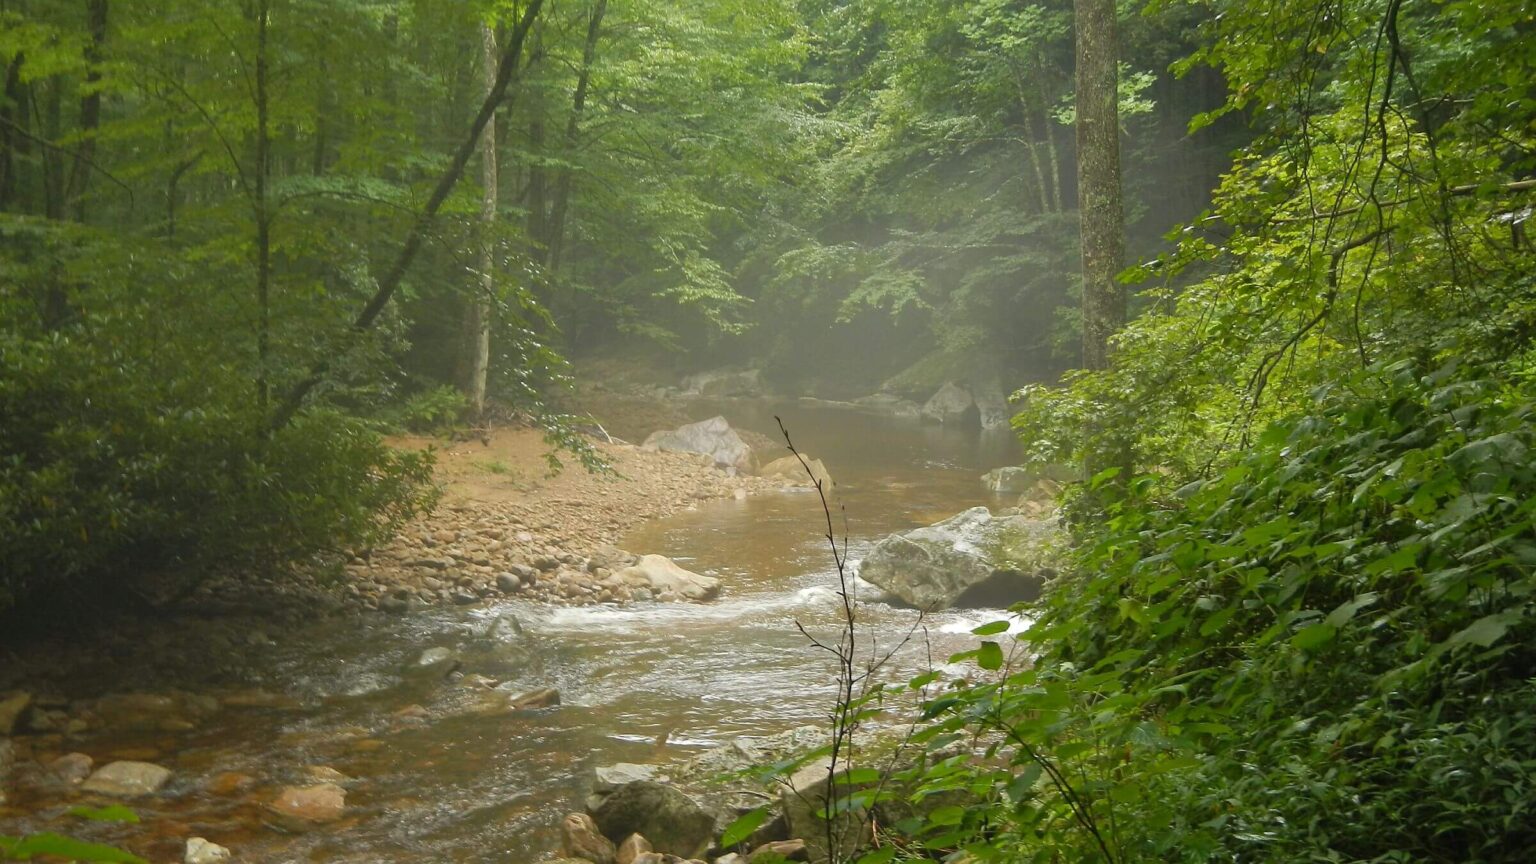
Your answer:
<point x="607" y="778"/>
<point x="326" y="774"/>
<point x="7" y="759"/>
<point x="969" y="560"/>
<point x="673" y="822"/>
<point x="579" y="838"/>
<point x="662" y="576"/>
<point x="802" y="800"/>
<point x="230" y="782"/>
<point x="395" y="604"/>
<point x="543" y="697"/>
<point x="200" y="851"/>
<point x="891" y="405"/>
<point x="12" y="708"/>
<point x="789" y="850"/>
<point x="952" y="405"/>
<point x="1007" y="481"/>
<point x="633" y="847"/>
<point x="725" y="382"/>
<point x="464" y="598"/>
<point x="309" y="805"/>
<point x="713" y="438"/>
<point x="72" y="768"/>
<point x="992" y="408"/>
<point x="437" y="661"/>
<point x="127" y="779"/>
<point x="506" y="628"/>
<point x="508" y="583"/>
<point x="790" y="468"/>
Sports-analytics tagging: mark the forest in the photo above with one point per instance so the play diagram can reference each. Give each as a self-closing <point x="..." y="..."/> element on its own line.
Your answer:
<point x="325" y="311"/>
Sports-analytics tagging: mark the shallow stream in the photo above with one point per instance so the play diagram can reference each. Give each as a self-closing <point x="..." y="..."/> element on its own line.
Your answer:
<point x="646" y="683"/>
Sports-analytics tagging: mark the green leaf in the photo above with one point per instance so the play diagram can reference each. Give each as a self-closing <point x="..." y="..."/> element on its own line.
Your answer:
<point x="1485" y="631"/>
<point x="1313" y="636"/>
<point x="742" y="827"/>
<point x="67" y="847"/>
<point x="991" y="628"/>
<point x="110" y="813"/>
<point x="990" y="656"/>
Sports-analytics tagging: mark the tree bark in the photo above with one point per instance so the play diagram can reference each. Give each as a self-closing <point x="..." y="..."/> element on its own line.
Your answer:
<point x="562" y="198"/>
<point x="477" y="312"/>
<point x="390" y="281"/>
<point x="1098" y="177"/>
<point x="90" y="107"/>
<point x="263" y="216"/>
<point x="12" y="119"/>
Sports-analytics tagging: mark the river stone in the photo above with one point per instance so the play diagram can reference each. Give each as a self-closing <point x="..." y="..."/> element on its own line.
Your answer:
<point x="435" y="661"/>
<point x="673" y="822"/>
<point x="802" y="799"/>
<point x="579" y="838"/>
<point x="7" y="759"/>
<point x="952" y="405"/>
<point x="200" y="851"/>
<point x="992" y="408"/>
<point x="1010" y="480"/>
<point x="789" y="468"/>
<point x="890" y="404"/>
<point x="788" y="850"/>
<point x="543" y="697"/>
<point x="127" y="779"/>
<point x="11" y="709"/>
<point x="725" y="382"/>
<point x="304" y="805"/>
<point x="633" y="847"/>
<point x="72" y="768"/>
<point x="662" y="576"/>
<point x="713" y="438"/>
<point x="971" y="560"/>
<point x="607" y="778"/>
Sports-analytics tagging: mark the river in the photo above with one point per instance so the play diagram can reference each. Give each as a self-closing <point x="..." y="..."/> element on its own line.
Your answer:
<point x="645" y="683"/>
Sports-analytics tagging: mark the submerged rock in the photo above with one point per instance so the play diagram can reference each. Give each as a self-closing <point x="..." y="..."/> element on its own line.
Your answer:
<point x="970" y="560"/>
<point x="674" y="823"/>
<point x="200" y="851"/>
<point x="790" y="468"/>
<point x="127" y="779"/>
<point x="543" y="697"/>
<point x="713" y="438"/>
<point x="725" y="382"/>
<point x="952" y="405"/>
<point x="663" y="577"/>
<point x="579" y="838"/>
<point x="12" y="708"/>
<point x="307" y="805"/>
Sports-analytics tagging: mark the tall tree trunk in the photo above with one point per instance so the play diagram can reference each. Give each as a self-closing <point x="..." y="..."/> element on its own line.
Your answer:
<point x="293" y="400"/>
<point x="1098" y="177"/>
<point x="562" y="198"/>
<point x="90" y="107"/>
<point x="263" y="216"/>
<point x="476" y="358"/>
<point x="12" y="121"/>
<point x="537" y="188"/>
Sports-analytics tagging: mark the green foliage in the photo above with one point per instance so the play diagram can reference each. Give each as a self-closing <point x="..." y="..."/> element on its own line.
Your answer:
<point x="55" y="845"/>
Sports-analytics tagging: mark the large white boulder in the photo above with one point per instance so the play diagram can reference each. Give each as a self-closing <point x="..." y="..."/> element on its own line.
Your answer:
<point x="667" y="580"/>
<point x="972" y="559"/>
<point x="713" y="438"/>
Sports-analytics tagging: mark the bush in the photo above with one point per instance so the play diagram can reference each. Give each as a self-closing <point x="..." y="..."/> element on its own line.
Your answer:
<point x="1322" y="654"/>
<point x="114" y="466"/>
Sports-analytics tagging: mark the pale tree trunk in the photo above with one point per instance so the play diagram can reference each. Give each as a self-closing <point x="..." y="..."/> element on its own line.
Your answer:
<point x="1098" y="177"/>
<point x="476" y="358"/>
<point x="293" y="400"/>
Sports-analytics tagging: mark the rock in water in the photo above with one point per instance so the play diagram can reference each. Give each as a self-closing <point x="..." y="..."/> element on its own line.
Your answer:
<point x="674" y="823"/>
<point x="200" y="851"/>
<point x="579" y="838"/>
<point x="725" y="382"/>
<point x="952" y="405"/>
<point x="633" y="847"/>
<point x="127" y="779"/>
<point x="607" y="778"/>
<point x="72" y="768"/>
<point x="664" y="577"/>
<point x="789" y="468"/>
<point x="11" y="709"/>
<point x="305" y="805"/>
<point x="544" y="697"/>
<point x="713" y="438"/>
<point x="969" y="560"/>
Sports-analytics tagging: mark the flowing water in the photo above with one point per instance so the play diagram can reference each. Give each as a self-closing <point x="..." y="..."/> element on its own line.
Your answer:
<point x="646" y="683"/>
